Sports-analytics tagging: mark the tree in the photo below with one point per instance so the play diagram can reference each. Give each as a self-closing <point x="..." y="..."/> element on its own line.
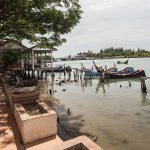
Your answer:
<point x="44" y="21"/>
<point x="11" y="57"/>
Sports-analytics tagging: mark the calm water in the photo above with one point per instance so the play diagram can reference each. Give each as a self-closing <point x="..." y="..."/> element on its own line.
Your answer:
<point x="118" y="116"/>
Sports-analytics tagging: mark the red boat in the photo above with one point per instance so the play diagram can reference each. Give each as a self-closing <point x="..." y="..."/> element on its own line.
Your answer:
<point x="128" y="72"/>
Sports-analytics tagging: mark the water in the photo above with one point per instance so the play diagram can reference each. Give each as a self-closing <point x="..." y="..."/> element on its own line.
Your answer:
<point x="119" y="115"/>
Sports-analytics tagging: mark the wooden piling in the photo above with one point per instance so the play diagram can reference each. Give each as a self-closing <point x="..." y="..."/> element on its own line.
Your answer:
<point x="38" y="73"/>
<point x="143" y="85"/>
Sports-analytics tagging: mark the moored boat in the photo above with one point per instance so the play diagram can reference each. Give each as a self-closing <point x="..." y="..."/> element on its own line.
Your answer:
<point x="123" y="62"/>
<point x="90" y="74"/>
<point x="128" y="72"/>
<point x="100" y="69"/>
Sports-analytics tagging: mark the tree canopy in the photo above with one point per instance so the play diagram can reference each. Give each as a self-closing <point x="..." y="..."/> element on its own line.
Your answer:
<point x="44" y="21"/>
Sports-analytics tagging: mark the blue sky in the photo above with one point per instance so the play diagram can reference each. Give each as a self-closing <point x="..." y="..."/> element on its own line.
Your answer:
<point x="107" y="23"/>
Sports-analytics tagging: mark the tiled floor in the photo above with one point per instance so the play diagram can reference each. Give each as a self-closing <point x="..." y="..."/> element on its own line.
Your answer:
<point x="7" y="127"/>
<point x="9" y="133"/>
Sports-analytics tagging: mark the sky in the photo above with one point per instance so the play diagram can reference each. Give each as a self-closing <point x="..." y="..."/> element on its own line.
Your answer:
<point x="109" y="23"/>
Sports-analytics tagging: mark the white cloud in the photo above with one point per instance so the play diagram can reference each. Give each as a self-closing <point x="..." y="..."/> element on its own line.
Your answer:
<point x="105" y="23"/>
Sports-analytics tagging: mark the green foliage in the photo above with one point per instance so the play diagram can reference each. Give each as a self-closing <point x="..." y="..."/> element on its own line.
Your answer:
<point x="43" y="21"/>
<point x="11" y="57"/>
<point x="115" y="52"/>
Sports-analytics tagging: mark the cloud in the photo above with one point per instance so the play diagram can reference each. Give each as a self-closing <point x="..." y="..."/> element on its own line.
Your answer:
<point x="118" y="23"/>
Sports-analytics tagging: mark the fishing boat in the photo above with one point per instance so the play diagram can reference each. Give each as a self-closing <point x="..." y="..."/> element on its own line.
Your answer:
<point x="128" y="72"/>
<point x="123" y="62"/>
<point x="100" y="69"/>
<point x="90" y="74"/>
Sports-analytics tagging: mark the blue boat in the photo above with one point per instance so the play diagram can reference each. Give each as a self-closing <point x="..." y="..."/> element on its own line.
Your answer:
<point x="90" y="74"/>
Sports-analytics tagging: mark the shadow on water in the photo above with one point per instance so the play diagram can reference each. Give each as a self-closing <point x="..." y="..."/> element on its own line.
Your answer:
<point x="69" y="123"/>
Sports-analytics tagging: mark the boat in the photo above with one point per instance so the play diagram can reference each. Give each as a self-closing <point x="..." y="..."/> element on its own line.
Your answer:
<point x="90" y="74"/>
<point x="83" y="67"/>
<point x="123" y="62"/>
<point x="58" y="68"/>
<point x="128" y="72"/>
<point x="100" y="70"/>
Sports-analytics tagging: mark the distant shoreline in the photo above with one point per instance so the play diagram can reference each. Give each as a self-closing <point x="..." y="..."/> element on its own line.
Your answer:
<point x="88" y="58"/>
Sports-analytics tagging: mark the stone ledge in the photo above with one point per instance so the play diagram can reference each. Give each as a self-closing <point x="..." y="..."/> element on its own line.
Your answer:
<point x="35" y="127"/>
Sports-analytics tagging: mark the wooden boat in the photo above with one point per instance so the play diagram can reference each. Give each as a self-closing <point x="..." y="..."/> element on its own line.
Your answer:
<point x="100" y="70"/>
<point x="90" y="74"/>
<point x="58" y="68"/>
<point x="123" y="62"/>
<point x="128" y="72"/>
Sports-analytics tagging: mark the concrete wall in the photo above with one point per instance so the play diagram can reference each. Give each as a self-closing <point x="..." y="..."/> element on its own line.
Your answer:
<point x="35" y="127"/>
<point x="80" y="143"/>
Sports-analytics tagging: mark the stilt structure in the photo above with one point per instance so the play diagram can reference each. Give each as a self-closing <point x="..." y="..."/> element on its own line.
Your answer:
<point x="42" y="67"/>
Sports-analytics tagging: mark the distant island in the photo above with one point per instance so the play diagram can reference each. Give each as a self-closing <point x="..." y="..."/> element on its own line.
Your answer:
<point x="109" y="53"/>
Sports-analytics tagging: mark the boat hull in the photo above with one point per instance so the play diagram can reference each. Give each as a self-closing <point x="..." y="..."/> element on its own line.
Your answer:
<point x="135" y="74"/>
<point x="90" y="74"/>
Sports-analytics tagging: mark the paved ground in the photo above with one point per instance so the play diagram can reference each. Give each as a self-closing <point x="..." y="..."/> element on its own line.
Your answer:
<point x="9" y="134"/>
<point x="8" y="126"/>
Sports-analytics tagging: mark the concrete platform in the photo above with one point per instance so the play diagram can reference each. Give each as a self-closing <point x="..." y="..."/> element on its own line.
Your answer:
<point x="44" y="144"/>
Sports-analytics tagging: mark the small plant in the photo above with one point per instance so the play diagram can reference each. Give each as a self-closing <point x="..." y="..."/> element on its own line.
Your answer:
<point x="14" y="79"/>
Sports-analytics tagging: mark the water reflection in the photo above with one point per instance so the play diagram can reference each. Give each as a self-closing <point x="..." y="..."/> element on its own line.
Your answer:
<point x="145" y="101"/>
<point x="87" y="83"/>
<point x="101" y="85"/>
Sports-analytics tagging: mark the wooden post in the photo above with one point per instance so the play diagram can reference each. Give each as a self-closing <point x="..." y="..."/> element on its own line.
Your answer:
<point x="143" y="85"/>
<point x="107" y="76"/>
<point x="38" y="74"/>
<point x="45" y="74"/>
<point x="45" y="59"/>
<point x="41" y="74"/>
<point x="32" y="60"/>
<point x="33" y="64"/>
<point x="28" y="74"/>
<point x="22" y="63"/>
<point x="28" y="64"/>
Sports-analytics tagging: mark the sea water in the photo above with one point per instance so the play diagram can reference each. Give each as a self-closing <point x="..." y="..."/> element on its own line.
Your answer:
<point x="117" y="113"/>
